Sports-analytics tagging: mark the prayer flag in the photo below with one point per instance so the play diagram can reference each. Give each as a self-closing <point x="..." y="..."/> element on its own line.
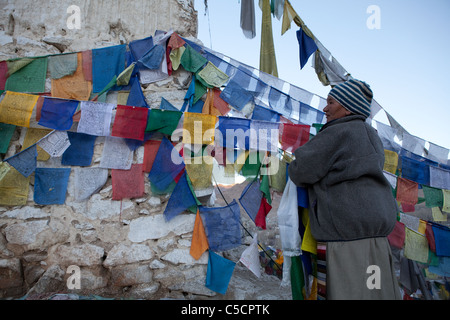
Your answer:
<point x="16" y="108"/>
<point x="416" y="246"/>
<point x="251" y="198"/>
<point x="250" y="258"/>
<point x="191" y="60"/>
<point x="128" y="183"/>
<point x="415" y="170"/>
<point x="199" y="243"/>
<point x="14" y="188"/>
<point x="170" y="165"/>
<point x="80" y="151"/>
<point x="211" y="76"/>
<point x="442" y="240"/>
<point x="107" y="63"/>
<point x="264" y="209"/>
<point x="152" y="58"/>
<point x="433" y="196"/>
<point x="62" y="65"/>
<point x="55" y="143"/>
<point x="116" y="154"/>
<point x="30" y="78"/>
<point x="293" y="136"/>
<point x="164" y="121"/>
<point x="24" y="161"/>
<point x="130" y="122"/>
<point x="3" y="74"/>
<point x="57" y="113"/>
<point x="199" y="128"/>
<point x="95" y="118"/>
<point x="222" y="226"/>
<point x="218" y="273"/>
<point x="180" y="200"/>
<point x="6" y="133"/>
<point x="88" y="181"/>
<point x="150" y="150"/>
<point x="397" y="237"/>
<point x="307" y="47"/>
<point x="33" y="136"/>
<point x="136" y="97"/>
<point x="390" y="161"/>
<point x="50" y="185"/>
<point x="407" y="191"/>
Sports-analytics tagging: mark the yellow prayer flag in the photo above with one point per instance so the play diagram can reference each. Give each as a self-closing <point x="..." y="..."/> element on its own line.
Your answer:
<point x="446" y="206"/>
<point x="198" y="128"/>
<point x="34" y="135"/>
<point x="14" y="188"/>
<point x="438" y="215"/>
<point x="416" y="246"/>
<point x="288" y="16"/>
<point x="308" y="242"/>
<point x="199" y="171"/>
<point x="390" y="161"/>
<point x="16" y="108"/>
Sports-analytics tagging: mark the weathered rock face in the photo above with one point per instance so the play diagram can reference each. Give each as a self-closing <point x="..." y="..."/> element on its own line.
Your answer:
<point x="119" y="248"/>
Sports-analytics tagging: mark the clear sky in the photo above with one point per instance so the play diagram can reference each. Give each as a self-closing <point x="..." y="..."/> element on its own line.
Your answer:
<point x="404" y="61"/>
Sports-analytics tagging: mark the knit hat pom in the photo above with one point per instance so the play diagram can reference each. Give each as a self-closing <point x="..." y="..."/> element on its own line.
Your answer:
<point x="354" y="95"/>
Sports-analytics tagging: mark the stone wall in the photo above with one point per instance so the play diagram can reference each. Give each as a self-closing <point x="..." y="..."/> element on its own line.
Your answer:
<point x="122" y="248"/>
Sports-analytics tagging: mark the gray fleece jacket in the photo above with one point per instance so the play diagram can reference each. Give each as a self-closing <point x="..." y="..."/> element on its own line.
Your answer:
<point x="349" y="197"/>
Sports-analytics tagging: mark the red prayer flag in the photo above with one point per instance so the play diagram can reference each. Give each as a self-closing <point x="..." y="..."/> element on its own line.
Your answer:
<point x="397" y="237"/>
<point x="407" y="191"/>
<point x="150" y="150"/>
<point x="293" y="136"/>
<point x="128" y="183"/>
<point x="430" y="237"/>
<point x="130" y="122"/>
<point x="264" y="209"/>
<point x="3" y="74"/>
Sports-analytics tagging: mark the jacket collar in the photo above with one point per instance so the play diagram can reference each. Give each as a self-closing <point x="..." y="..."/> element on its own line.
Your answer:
<point x="352" y="117"/>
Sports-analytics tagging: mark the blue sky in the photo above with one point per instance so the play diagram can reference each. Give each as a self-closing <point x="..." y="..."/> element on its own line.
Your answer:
<point x="405" y="61"/>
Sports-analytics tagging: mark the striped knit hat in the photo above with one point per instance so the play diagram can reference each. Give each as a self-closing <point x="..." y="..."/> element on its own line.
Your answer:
<point x="354" y="95"/>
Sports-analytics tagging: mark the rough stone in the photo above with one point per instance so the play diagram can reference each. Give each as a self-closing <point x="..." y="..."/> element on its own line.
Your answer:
<point x="26" y="232"/>
<point x="125" y="254"/>
<point x="155" y="227"/>
<point x="10" y="273"/>
<point x="79" y="255"/>
<point x="132" y="274"/>
<point x="182" y="256"/>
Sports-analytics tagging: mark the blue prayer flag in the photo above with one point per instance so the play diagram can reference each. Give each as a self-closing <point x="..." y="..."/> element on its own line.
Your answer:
<point x="180" y="200"/>
<point x="80" y="151"/>
<point x="307" y="47"/>
<point x="58" y="113"/>
<point x="50" y="185"/>
<point x="107" y="63"/>
<point x="24" y="161"/>
<point x="251" y="198"/>
<point x="219" y="272"/>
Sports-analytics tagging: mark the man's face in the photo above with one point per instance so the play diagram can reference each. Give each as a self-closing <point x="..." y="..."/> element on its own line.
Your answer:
<point x="334" y="110"/>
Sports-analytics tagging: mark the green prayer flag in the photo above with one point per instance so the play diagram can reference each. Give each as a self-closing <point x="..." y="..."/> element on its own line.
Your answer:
<point x="164" y="121"/>
<point x="6" y="132"/>
<point x="265" y="188"/>
<point x="30" y="78"/>
<point x="433" y="197"/>
<point x="297" y="278"/>
<point x="191" y="60"/>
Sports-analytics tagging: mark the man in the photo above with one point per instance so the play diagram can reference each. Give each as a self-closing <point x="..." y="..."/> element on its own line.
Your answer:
<point x="351" y="205"/>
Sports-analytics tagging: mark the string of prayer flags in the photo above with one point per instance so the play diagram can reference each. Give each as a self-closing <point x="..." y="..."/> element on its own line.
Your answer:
<point x="50" y="185"/>
<point x="199" y="128"/>
<point x="80" y="151"/>
<point x="180" y="200"/>
<point x="293" y="136"/>
<point x="407" y="191"/>
<point x="191" y="60"/>
<point x="14" y="188"/>
<point x="265" y="114"/>
<point x="164" y="121"/>
<point x="24" y="161"/>
<point x="57" y="113"/>
<point x="199" y="243"/>
<point x="170" y="165"/>
<point x="128" y="183"/>
<point x="307" y="47"/>
<point x="136" y="97"/>
<point x="16" y="108"/>
<point x="88" y="181"/>
<point x="116" y="154"/>
<point x="106" y="63"/>
<point x="62" y="65"/>
<point x="30" y="78"/>
<point x="95" y="118"/>
<point x="6" y="133"/>
<point x="218" y="273"/>
<point x="130" y="122"/>
<point x="222" y="226"/>
<point x="55" y="143"/>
